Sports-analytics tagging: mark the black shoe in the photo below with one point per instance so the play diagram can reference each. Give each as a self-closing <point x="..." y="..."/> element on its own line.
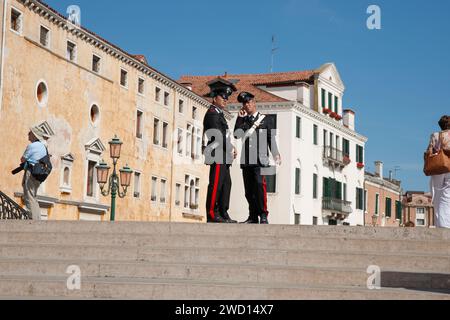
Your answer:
<point x="228" y="219"/>
<point x="250" y="221"/>
<point x="264" y="219"/>
<point x="217" y="219"/>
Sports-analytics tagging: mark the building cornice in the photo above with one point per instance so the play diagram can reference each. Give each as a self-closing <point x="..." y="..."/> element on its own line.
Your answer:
<point x="377" y="182"/>
<point x="290" y="106"/>
<point x="52" y="16"/>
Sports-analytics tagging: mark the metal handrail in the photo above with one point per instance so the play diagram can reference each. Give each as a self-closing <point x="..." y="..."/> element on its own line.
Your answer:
<point x="336" y="155"/>
<point x="337" y="205"/>
<point x="10" y="210"/>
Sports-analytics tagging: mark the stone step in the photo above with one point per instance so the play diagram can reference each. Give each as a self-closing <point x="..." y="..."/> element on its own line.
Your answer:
<point x="100" y="288"/>
<point x="226" y="229"/>
<point x="251" y="242"/>
<point x="333" y="259"/>
<point x="300" y="275"/>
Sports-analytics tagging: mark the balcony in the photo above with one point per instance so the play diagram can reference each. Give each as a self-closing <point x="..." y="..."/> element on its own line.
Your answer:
<point x="336" y="157"/>
<point x="337" y="206"/>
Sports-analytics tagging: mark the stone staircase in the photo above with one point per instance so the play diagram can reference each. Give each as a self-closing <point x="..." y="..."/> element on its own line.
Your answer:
<point x="209" y="262"/>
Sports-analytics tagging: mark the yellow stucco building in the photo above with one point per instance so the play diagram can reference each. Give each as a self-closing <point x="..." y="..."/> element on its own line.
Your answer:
<point x="83" y="91"/>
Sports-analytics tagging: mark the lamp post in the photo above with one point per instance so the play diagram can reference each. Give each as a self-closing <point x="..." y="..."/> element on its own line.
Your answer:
<point x="114" y="181"/>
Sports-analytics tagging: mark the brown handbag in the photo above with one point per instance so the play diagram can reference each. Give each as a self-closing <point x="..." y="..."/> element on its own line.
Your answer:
<point x="437" y="164"/>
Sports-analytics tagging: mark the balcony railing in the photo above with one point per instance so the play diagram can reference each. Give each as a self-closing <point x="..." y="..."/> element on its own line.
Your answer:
<point x="337" y="205"/>
<point x="336" y="156"/>
<point x="9" y="210"/>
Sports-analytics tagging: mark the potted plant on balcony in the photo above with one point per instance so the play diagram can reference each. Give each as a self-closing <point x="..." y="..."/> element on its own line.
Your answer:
<point x="338" y="118"/>
<point x="333" y="115"/>
<point x="326" y="110"/>
<point x="360" y="165"/>
<point x="347" y="160"/>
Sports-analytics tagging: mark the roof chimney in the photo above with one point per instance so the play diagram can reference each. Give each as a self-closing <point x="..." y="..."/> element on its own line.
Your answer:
<point x="349" y="119"/>
<point x="379" y="169"/>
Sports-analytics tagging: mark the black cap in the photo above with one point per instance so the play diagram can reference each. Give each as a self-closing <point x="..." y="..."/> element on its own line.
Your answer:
<point x="221" y="87"/>
<point x="245" y="97"/>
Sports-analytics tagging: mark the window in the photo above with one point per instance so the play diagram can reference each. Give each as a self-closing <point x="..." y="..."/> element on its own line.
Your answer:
<point x="316" y="135"/>
<point x="95" y="114"/>
<point x="359" y="199"/>
<point x="71" y="51"/>
<point x="315" y="186"/>
<point x="139" y="124"/>
<point x="420" y="222"/>
<point x="420" y="211"/>
<point x="166" y="98"/>
<point x="197" y="192"/>
<point x="297" y="219"/>
<point x="336" y="104"/>
<point x="180" y="141"/>
<point x="66" y="177"/>
<point x="180" y="106"/>
<point x="16" y="20"/>
<point x="42" y="93"/>
<point x="325" y="135"/>
<point x="186" y="192"/>
<point x="345" y="192"/>
<point x="188" y="140"/>
<point x="398" y="210"/>
<point x="324" y="93"/>
<point x="271" y="182"/>
<point x="141" y="86"/>
<point x="298" y="127"/>
<point x="66" y="181"/>
<point x="91" y="179"/>
<point x="163" y="191"/>
<point x="359" y="154"/>
<point x="123" y="78"/>
<point x="44" y="37"/>
<point x="96" y="63"/>
<point x="156" y="131"/>
<point x="165" y="136"/>
<point x="177" y="194"/>
<point x="154" y="182"/>
<point x="346" y="147"/>
<point x="365" y="200"/>
<point x="297" y="181"/>
<point x="194" y="113"/>
<point x="330" y="101"/>
<point x="137" y="185"/>
<point x="332" y="189"/>
<point x="388" y="207"/>
<point x="377" y="204"/>
<point x="157" y="94"/>
<point x="199" y="144"/>
<point x="315" y="221"/>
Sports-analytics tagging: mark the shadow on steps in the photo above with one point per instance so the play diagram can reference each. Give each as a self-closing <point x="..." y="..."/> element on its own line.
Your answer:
<point x="429" y="282"/>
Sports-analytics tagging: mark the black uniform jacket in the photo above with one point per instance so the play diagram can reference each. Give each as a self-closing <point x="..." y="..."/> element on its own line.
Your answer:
<point x="217" y="134"/>
<point x="259" y="150"/>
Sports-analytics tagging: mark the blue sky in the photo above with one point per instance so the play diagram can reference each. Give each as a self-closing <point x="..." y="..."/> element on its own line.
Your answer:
<point x="397" y="78"/>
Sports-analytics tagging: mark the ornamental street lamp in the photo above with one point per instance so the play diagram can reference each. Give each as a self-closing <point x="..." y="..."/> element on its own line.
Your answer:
<point x="114" y="181"/>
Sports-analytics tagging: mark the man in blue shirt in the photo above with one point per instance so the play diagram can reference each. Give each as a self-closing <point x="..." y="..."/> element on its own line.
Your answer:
<point x="34" y="152"/>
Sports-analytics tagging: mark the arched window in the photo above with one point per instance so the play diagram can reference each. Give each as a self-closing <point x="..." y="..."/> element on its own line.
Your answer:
<point x="66" y="176"/>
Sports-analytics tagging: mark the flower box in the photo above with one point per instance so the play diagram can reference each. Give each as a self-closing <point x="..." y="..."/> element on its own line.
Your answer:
<point x="338" y="118"/>
<point x="333" y="115"/>
<point x="360" y="165"/>
<point x="347" y="160"/>
<point x="326" y="111"/>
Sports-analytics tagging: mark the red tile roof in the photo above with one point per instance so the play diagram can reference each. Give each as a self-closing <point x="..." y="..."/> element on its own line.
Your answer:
<point x="250" y="83"/>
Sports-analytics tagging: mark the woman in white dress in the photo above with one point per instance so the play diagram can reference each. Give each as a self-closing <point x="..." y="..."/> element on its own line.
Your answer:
<point x="440" y="185"/>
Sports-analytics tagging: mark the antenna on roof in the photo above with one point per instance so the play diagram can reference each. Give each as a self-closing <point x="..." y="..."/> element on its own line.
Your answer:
<point x="273" y="53"/>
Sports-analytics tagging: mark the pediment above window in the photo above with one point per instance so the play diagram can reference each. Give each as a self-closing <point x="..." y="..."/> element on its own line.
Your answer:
<point x="95" y="146"/>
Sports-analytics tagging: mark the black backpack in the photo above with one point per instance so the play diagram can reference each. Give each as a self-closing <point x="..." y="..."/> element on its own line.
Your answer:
<point x="42" y="169"/>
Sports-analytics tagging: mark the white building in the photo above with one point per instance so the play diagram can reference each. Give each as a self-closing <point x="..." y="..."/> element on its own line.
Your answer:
<point x="321" y="180"/>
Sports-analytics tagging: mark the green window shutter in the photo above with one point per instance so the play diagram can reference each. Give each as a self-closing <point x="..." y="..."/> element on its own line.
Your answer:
<point x="315" y="135"/>
<point x="377" y="204"/>
<point x="398" y="210"/>
<point x="326" y="188"/>
<point x="330" y="101"/>
<point x="388" y="207"/>
<point x="336" y="104"/>
<point x="323" y="98"/>
<point x="299" y="127"/>
<point x="345" y="192"/>
<point x="297" y="181"/>
<point x="365" y="200"/>
<point x="315" y="186"/>
<point x="346" y="147"/>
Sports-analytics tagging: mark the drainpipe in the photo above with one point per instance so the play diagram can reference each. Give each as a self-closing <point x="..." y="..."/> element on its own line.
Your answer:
<point x="3" y="55"/>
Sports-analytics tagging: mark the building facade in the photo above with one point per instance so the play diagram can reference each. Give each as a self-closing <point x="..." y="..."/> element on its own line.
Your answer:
<point x="418" y="209"/>
<point x="383" y="199"/>
<point x="83" y="90"/>
<point x="321" y="180"/>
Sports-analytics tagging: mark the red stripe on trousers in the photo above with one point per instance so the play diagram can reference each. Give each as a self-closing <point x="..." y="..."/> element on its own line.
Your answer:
<point x="214" y="194"/>
<point x="265" y="195"/>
